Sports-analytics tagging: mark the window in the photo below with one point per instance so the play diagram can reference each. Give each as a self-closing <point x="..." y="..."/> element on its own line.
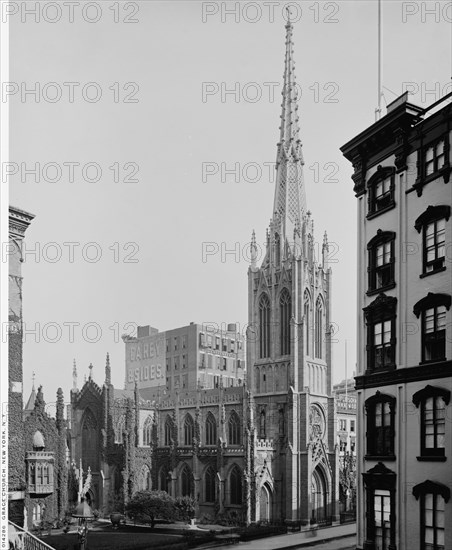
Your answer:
<point x="147" y="431"/>
<point x="318" y="329"/>
<point x="176" y="363"/>
<point x="234" y="429"/>
<point x="380" y="319"/>
<point x="184" y="380"/>
<point x="432" y="401"/>
<point x="262" y="424"/>
<point x="352" y="445"/>
<point x="381" y="261"/>
<point x="342" y="446"/>
<point x="209" y="485"/>
<point x="176" y="382"/>
<point x="217" y="342"/>
<point x="167" y="344"/>
<point x="432" y="223"/>
<point x="380" y="410"/>
<point x="264" y="327"/>
<point x="285" y="307"/>
<point x="211" y="430"/>
<point x="168" y="364"/>
<point x="432" y="310"/>
<point x="224" y="344"/>
<point x="184" y="341"/>
<point x="307" y="333"/>
<point x="225" y="363"/>
<point x="381" y="191"/>
<point x="433" y="497"/>
<point x="202" y="340"/>
<point x="352" y="425"/>
<point x="119" y="431"/>
<point x="186" y="481"/>
<point x="184" y="364"/>
<point x="235" y="486"/>
<point x="343" y="425"/>
<point x="175" y="343"/>
<point x="188" y="430"/>
<point x="168" y="431"/>
<point x="232" y="347"/>
<point x="163" y="479"/>
<point x="434" y="157"/>
<point x="380" y="507"/>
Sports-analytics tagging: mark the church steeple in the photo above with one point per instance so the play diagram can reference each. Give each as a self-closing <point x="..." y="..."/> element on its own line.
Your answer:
<point x="107" y="371"/>
<point x="290" y="201"/>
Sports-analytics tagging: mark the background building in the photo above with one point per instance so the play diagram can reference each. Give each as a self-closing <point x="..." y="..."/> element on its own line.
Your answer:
<point x="289" y="347"/>
<point x="345" y="401"/>
<point x="402" y="167"/>
<point x="186" y="357"/>
<point x="19" y="220"/>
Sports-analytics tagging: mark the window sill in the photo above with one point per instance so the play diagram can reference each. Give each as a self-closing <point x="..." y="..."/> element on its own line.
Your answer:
<point x="425" y="458"/>
<point x="372" y="215"/>
<point x="380" y="457"/>
<point x="374" y="291"/>
<point x="432" y="361"/>
<point x="427" y="273"/>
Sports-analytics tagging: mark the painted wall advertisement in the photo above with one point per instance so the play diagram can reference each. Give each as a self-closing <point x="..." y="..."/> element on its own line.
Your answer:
<point x="146" y="362"/>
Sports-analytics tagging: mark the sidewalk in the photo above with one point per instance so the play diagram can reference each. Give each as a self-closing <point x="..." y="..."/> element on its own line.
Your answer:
<point x="304" y="538"/>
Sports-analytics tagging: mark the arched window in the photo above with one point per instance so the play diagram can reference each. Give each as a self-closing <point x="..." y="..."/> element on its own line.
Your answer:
<point x="146" y="484"/>
<point x="209" y="485"/>
<point x="235" y="486"/>
<point x="307" y="318"/>
<point x="188" y="430"/>
<point x="285" y="310"/>
<point x="234" y="429"/>
<point x="318" y="329"/>
<point x="147" y="431"/>
<point x="186" y="481"/>
<point x="381" y="191"/>
<point x="168" y="431"/>
<point x="257" y="377"/>
<point x="262" y="424"/>
<point x="211" y="430"/>
<point x="264" y="327"/>
<point x="163" y="479"/>
<point x="90" y="442"/>
<point x="119" y="431"/>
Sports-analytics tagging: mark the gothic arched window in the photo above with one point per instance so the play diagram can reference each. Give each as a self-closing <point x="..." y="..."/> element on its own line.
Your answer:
<point x="147" y="431"/>
<point x="209" y="485"/>
<point x="277" y="249"/>
<point x="163" y="479"/>
<point x="119" y="431"/>
<point x="235" y="486"/>
<point x="211" y="430"/>
<point x="307" y="318"/>
<point x="90" y="442"/>
<point x="188" y="430"/>
<point x="234" y="429"/>
<point x="318" y="329"/>
<point x="264" y="326"/>
<point x="168" y="431"/>
<point x="185" y="481"/>
<point x="285" y="310"/>
<point x="262" y="424"/>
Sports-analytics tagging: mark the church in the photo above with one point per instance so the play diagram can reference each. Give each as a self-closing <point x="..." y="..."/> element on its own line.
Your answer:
<point x="289" y="370"/>
<point x="255" y="448"/>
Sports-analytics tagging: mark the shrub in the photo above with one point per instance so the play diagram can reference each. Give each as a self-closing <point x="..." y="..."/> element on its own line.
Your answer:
<point x="149" y="506"/>
<point x="185" y="508"/>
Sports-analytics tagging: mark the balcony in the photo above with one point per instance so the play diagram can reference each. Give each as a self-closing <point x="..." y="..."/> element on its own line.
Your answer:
<point x="40" y="471"/>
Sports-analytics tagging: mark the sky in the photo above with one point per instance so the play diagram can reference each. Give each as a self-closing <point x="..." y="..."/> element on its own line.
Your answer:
<point x="167" y="99"/>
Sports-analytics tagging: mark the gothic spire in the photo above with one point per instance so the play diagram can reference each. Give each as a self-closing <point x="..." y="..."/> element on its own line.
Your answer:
<point x="290" y="201"/>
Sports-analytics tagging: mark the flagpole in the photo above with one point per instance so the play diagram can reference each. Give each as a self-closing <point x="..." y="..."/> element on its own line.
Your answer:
<point x="378" y="109"/>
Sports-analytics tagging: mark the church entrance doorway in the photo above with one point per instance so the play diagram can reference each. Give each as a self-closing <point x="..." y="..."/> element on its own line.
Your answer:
<point x="265" y="503"/>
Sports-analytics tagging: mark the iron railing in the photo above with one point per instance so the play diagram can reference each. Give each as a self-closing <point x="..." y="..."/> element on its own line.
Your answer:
<point x="20" y="539"/>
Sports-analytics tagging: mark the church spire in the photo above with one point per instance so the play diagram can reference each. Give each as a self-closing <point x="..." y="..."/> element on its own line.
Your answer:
<point x="290" y="201"/>
<point x="74" y="376"/>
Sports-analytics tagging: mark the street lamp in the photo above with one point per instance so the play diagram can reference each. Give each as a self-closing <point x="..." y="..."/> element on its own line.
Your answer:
<point x="83" y="513"/>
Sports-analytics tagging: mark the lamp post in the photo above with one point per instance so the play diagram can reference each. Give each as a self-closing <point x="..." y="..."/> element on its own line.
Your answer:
<point x="83" y="513"/>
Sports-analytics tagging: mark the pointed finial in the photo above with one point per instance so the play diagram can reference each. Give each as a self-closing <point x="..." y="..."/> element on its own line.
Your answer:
<point x="74" y="376"/>
<point x="253" y="249"/>
<point x="33" y="376"/>
<point x="107" y="370"/>
<point x="289" y="22"/>
<point x="90" y="371"/>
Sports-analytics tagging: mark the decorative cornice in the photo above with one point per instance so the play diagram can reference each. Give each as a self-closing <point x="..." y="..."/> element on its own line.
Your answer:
<point x="432" y="300"/>
<point x="431" y="487"/>
<point x="431" y="391"/>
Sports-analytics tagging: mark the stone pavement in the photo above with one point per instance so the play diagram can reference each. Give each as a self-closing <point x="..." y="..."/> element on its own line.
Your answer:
<point x="299" y="540"/>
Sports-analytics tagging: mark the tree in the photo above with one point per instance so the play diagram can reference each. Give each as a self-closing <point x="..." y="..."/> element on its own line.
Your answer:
<point x="185" y="507"/>
<point x="347" y="479"/>
<point x="150" y="506"/>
